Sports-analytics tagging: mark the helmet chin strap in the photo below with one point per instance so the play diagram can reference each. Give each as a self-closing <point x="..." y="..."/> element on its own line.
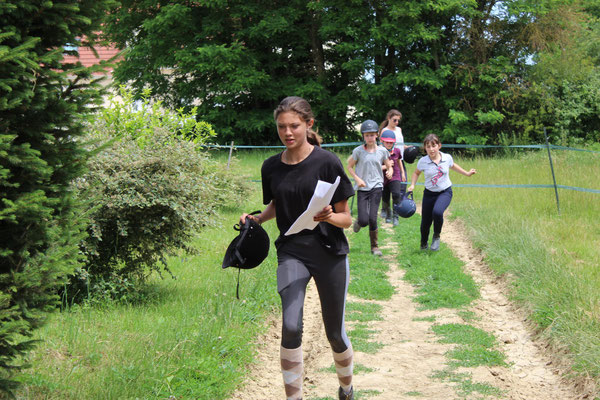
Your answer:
<point x="237" y="287"/>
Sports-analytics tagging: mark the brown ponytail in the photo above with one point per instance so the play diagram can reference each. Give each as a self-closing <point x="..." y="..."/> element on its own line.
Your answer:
<point x="302" y="108"/>
<point x="314" y="138"/>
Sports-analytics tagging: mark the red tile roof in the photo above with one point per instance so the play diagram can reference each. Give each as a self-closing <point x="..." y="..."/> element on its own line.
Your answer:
<point x="88" y="58"/>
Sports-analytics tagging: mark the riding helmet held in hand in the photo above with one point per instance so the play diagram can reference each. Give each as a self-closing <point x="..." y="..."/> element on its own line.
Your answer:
<point x="410" y="154"/>
<point x="249" y="248"/>
<point x="407" y="207"/>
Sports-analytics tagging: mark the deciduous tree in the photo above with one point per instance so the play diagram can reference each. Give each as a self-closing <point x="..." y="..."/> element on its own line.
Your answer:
<point x="460" y="69"/>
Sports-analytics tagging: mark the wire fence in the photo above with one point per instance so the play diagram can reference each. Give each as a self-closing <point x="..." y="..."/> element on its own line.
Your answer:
<point x="456" y="146"/>
<point x="547" y="146"/>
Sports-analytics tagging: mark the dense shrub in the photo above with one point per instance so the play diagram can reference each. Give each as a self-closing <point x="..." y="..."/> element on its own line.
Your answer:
<point x="147" y="193"/>
<point x="41" y="101"/>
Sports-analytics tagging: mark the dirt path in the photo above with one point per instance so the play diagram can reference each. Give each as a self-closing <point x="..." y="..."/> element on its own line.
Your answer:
<point x="403" y="368"/>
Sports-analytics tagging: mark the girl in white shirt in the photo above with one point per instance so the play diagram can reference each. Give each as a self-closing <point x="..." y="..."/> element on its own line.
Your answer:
<point x="438" y="188"/>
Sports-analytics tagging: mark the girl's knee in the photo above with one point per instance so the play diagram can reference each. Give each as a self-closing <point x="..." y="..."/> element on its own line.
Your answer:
<point x="337" y="342"/>
<point x="438" y="216"/>
<point x="363" y="221"/>
<point x="291" y="335"/>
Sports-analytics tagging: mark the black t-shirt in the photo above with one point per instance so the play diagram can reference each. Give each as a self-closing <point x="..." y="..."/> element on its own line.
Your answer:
<point x="292" y="186"/>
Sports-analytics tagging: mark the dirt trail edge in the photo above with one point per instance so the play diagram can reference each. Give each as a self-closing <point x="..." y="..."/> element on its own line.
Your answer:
<point x="403" y="368"/>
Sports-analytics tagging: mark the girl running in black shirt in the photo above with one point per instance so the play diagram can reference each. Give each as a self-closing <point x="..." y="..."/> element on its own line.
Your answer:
<point x="288" y="181"/>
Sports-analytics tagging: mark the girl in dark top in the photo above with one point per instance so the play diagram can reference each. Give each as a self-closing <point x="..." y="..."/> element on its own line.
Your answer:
<point x="288" y="182"/>
<point x="392" y="186"/>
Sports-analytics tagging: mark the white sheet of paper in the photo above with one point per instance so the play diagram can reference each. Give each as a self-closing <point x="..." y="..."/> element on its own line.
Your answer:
<point x="321" y="198"/>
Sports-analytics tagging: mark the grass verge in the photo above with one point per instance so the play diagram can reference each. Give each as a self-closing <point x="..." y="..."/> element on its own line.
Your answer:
<point x="476" y="347"/>
<point x="192" y="339"/>
<point x="368" y="273"/>
<point x="551" y="259"/>
<point x="437" y="276"/>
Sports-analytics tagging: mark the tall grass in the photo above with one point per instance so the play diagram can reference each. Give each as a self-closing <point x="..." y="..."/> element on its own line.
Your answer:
<point x="191" y="338"/>
<point x="554" y="259"/>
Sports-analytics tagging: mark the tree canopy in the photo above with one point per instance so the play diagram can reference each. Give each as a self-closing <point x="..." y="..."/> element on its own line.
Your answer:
<point x="463" y="69"/>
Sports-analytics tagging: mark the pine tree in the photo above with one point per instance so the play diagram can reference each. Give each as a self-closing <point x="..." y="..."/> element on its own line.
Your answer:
<point x="42" y="104"/>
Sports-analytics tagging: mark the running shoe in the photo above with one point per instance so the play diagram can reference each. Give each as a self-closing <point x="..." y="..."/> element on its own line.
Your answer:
<point x="435" y="243"/>
<point x="346" y="396"/>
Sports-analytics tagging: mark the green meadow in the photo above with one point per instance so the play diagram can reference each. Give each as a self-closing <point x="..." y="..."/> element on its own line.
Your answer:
<point x="189" y="336"/>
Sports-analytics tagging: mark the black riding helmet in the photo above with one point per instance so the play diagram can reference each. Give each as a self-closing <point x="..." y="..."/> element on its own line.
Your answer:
<point x="410" y="154"/>
<point x="248" y="249"/>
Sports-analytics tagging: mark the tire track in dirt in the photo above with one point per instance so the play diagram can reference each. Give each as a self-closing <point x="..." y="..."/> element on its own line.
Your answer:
<point x="402" y="369"/>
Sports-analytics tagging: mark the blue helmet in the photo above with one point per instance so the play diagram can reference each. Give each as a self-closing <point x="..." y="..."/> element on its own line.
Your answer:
<point x="407" y="207"/>
<point x="369" y="126"/>
<point x="388" y="136"/>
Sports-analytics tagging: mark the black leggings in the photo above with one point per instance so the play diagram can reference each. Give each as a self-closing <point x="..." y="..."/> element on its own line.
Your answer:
<point x="299" y="259"/>
<point x="396" y="189"/>
<point x="432" y="210"/>
<point x="368" y="206"/>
